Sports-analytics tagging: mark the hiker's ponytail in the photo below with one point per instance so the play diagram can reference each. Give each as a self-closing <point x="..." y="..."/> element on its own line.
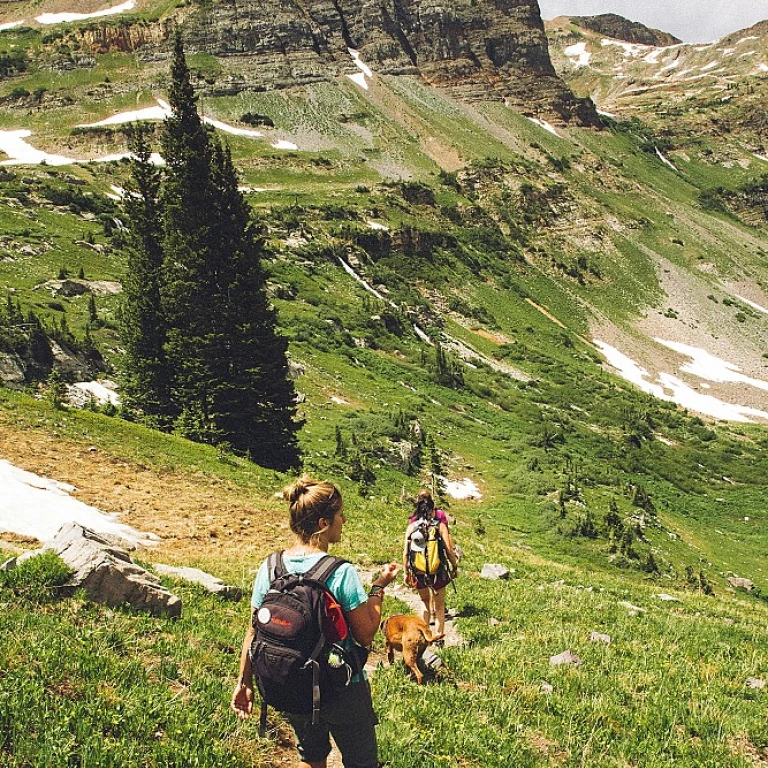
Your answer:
<point x="424" y="505"/>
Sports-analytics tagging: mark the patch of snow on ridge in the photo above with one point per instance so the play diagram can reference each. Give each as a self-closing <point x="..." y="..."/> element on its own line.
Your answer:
<point x="630" y="49"/>
<point x="674" y="390"/>
<point x="10" y="25"/>
<point x="710" y="368"/>
<point x="20" y="152"/>
<point x="664" y="159"/>
<point x="38" y="506"/>
<point x="282" y="144"/>
<point x="545" y="125"/>
<point x="58" y="18"/>
<point x="741" y="298"/>
<point x="159" y="112"/>
<point x="232" y="129"/>
<point x="578" y="54"/>
<point x="462" y="489"/>
<point x="359" y="78"/>
<point x="99" y="391"/>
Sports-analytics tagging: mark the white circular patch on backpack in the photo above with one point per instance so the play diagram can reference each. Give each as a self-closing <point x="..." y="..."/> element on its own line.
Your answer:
<point x="264" y="615"/>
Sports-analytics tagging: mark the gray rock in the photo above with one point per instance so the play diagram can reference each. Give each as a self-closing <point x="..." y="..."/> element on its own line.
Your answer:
<point x="566" y="657"/>
<point x="212" y="584"/>
<point x="494" y="571"/>
<point x="739" y="583"/>
<point x="755" y="682"/>
<point x="599" y="637"/>
<point x="107" y="575"/>
<point x="546" y="688"/>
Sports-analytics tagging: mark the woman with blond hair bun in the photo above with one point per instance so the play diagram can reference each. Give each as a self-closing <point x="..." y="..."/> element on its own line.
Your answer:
<point x="317" y="519"/>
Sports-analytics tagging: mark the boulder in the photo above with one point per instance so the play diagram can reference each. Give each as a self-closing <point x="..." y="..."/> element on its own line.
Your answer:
<point x="738" y="583"/>
<point x="210" y="583"/>
<point x="106" y="573"/>
<point x="599" y="637"/>
<point x="494" y="571"/>
<point x="566" y="657"/>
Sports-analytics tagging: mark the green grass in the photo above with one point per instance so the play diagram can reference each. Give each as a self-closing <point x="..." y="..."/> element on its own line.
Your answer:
<point x="579" y="225"/>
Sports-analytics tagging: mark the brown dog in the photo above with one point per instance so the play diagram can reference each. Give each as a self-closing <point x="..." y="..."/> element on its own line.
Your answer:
<point x="411" y="635"/>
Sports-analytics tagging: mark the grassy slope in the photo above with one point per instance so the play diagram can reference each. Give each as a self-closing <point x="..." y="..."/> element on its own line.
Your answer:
<point x="669" y="689"/>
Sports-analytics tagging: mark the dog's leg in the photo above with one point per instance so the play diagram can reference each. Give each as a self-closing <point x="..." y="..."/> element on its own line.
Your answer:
<point x="411" y="659"/>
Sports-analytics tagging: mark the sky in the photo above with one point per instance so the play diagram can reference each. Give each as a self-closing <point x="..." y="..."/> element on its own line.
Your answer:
<point x="693" y="21"/>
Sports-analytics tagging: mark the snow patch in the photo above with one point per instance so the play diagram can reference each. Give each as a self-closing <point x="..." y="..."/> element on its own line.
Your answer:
<point x="38" y="506"/>
<point x="359" y="78"/>
<point x="461" y="489"/>
<point x="376" y="225"/>
<point x="578" y="54"/>
<point x="630" y="49"/>
<point x="101" y="392"/>
<point x="664" y="159"/>
<point x="545" y="125"/>
<point x="159" y="112"/>
<point x="233" y="129"/>
<point x="672" y="389"/>
<point x="710" y="368"/>
<point x="10" y="25"/>
<point x="59" y="18"/>
<point x="741" y="298"/>
<point x="673" y="65"/>
<point x="282" y="144"/>
<point x="20" y="152"/>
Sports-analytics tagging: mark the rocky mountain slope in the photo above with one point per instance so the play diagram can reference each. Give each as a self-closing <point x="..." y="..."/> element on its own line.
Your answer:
<point x="475" y="51"/>
<point x="619" y="28"/>
<point x="688" y="92"/>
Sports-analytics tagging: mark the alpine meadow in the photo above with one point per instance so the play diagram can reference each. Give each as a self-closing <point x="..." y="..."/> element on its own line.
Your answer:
<point x="397" y="246"/>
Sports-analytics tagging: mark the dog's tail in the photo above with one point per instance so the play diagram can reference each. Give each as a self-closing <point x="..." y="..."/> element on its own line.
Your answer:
<point x="430" y="638"/>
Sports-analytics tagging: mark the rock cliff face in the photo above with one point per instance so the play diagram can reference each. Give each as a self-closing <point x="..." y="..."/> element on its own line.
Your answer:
<point x="477" y="49"/>
<point x="619" y="28"/>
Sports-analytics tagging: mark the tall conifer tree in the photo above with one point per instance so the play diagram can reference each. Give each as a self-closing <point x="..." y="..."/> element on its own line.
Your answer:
<point x="147" y="378"/>
<point x="228" y="366"/>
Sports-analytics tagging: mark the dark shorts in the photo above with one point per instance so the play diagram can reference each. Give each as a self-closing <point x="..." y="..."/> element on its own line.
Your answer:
<point x="351" y="721"/>
<point x="438" y="581"/>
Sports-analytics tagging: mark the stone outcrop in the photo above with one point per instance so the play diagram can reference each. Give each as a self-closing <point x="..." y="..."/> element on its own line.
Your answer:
<point x="208" y="582"/>
<point x="477" y="50"/>
<point x="619" y="28"/>
<point x="107" y="574"/>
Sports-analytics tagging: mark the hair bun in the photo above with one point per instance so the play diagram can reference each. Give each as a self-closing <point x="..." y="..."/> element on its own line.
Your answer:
<point x="292" y="493"/>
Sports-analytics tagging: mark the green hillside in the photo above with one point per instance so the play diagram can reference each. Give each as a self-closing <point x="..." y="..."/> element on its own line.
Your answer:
<point x="495" y="253"/>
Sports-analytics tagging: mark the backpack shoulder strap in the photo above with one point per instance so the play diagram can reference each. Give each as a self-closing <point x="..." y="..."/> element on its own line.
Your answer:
<point x="324" y="567"/>
<point x="275" y="566"/>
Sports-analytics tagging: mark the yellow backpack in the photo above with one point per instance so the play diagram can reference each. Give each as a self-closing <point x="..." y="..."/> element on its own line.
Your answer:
<point x="426" y="555"/>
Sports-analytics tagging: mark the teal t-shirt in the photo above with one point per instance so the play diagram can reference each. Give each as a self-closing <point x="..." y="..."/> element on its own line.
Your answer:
<point x="344" y="584"/>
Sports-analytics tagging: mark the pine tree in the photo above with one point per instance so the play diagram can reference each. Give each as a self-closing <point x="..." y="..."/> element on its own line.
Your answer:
<point x="227" y="367"/>
<point x="147" y="376"/>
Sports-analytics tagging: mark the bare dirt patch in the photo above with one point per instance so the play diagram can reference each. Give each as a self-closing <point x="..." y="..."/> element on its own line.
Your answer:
<point x="198" y="517"/>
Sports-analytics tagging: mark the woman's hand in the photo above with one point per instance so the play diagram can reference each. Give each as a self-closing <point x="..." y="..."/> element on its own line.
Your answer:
<point x="388" y="574"/>
<point x="242" y="700"/>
